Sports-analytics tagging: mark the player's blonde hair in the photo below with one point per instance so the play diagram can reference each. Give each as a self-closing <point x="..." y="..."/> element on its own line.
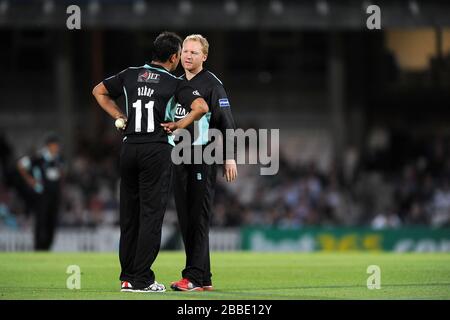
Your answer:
<point x="201" y="39"/>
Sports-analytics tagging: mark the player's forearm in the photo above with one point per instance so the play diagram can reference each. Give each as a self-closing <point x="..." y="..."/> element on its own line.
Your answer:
<point x="189" y="119"/>
<point x="107" y="103"/>
<point x="198" y="109"/>
<point x="111" y="107"/>
<point x="226" y="122"/>
<point x="229" y="147"/>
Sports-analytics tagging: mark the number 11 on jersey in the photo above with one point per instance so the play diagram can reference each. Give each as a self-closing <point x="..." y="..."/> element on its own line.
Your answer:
<point x="150" y="119"/>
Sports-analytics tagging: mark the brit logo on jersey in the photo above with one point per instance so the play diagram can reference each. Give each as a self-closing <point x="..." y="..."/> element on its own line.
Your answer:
<point x="224" y="103"/>
<point x="149" y="77"/>
<point x="196" y="93"/>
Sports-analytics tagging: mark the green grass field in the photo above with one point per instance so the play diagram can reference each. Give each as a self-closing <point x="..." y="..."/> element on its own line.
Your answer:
<point x="237" y="275"/>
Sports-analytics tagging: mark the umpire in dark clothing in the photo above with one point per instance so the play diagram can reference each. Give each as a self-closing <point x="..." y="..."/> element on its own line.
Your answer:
<point x="42" y="174"/>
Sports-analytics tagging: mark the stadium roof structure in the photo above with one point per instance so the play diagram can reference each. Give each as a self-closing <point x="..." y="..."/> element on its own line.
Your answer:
<point x="224" y="15"/>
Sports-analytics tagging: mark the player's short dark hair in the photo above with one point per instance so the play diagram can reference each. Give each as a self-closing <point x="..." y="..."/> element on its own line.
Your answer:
<point x="165" y="45"/>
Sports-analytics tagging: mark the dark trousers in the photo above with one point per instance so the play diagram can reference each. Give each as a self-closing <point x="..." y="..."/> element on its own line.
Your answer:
<point x="145" y="171"/>
<point x="194" y="193"/>
<point x="46" y="210"/>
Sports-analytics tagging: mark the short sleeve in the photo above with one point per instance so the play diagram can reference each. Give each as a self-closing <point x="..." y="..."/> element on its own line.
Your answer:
<point x="220" y="98"/>
<point x="185" y="94"/>
<point x="115" y="84"/>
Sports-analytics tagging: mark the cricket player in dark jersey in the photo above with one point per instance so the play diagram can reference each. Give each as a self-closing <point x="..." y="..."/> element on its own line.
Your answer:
<point x="194" y="184"/>
<point x="42" y="173"/>
<point x="151" y="94"/>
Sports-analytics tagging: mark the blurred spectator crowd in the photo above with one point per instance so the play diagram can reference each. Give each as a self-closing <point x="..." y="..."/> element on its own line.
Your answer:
<point x="393" y="181"/>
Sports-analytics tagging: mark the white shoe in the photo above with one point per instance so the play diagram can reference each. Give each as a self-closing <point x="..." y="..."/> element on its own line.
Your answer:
<point x="154" y="287"/>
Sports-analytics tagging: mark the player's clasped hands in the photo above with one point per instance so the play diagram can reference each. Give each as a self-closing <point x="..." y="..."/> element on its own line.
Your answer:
<point x="229" y="168"/>
<point x="169" y="127"/>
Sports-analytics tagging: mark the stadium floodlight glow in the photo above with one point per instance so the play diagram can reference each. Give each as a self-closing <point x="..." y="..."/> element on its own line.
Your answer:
<point x="4" y="6"/>
<point x="322" y="7"/>
<point x="414" y="7"/>
<point x="185" y="7"/>
<point x="277" y="7"/>
<point x="139" y="7"/>
<point x="94" y="7"/>
<point x="48" y="6"/>
<point x="231" y="7"/>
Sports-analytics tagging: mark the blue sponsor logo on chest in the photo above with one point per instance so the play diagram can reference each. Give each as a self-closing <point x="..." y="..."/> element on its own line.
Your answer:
<point x="223" y="103"/>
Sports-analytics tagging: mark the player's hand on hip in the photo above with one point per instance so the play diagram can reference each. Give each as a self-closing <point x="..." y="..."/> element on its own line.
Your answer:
<point x="230" y="170"/>
<point x="121" y="123"/>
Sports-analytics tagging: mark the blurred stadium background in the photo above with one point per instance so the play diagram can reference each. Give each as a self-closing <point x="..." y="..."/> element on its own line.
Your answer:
<point x="363" y="118"/>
